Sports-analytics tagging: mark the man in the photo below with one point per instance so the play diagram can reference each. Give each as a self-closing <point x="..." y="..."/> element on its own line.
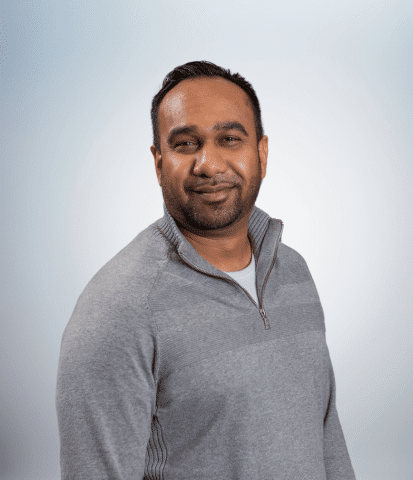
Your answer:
<point x="198" y="351"/>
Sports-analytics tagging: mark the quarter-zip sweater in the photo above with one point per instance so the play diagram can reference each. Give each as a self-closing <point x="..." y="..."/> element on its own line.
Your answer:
<point x="170" y="370"/>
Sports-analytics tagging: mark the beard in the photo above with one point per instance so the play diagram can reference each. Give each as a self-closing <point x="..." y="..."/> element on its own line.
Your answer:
<point x="197" y="214"/>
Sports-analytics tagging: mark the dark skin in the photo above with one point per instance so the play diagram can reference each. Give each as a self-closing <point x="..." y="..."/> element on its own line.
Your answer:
<point x="210" y="167"/>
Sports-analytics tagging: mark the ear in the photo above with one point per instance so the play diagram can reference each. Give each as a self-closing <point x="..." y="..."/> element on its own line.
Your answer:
<point x="263" y="154"/>
<point x="158" y="163"/>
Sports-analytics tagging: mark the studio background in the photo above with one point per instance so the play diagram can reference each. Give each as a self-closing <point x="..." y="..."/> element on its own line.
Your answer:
<point x="335" y="83"/>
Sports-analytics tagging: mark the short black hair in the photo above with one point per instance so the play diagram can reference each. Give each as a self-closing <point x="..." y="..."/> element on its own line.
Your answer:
<point x="202" y="69"/>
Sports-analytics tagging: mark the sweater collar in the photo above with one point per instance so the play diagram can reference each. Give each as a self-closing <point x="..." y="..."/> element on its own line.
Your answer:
<point x="264" y="233"/>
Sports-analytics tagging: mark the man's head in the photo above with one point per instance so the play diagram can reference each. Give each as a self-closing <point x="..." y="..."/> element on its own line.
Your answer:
<point x="203" y="69"/>
<point x="209" y="149"/>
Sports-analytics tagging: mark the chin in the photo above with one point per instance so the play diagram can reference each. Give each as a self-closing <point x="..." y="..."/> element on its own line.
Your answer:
<point x="221" y="217"/>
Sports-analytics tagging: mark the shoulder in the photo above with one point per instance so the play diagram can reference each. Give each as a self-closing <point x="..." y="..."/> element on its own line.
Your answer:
<point x="128" y="276"/>
<point x="290" y="255"/>
<point x="113" y="305"/>
<point x="291" y="266"/>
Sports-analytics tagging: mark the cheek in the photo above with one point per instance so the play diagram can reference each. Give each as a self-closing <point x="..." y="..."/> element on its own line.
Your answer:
<point x="174" y="171"/>
<point x="246" y="164"/>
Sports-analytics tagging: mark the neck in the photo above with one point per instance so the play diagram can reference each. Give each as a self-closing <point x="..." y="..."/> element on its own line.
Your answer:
<point x="227" y="249"/>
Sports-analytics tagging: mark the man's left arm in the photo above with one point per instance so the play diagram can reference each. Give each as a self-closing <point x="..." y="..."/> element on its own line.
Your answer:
<point x="336" y="458"/>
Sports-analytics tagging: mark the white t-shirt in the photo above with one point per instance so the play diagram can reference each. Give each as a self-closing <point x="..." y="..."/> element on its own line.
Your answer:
<point x="246" y="278"/>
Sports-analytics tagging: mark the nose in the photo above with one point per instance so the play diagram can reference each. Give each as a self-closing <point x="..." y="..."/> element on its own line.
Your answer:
<point x="209" y="161"/>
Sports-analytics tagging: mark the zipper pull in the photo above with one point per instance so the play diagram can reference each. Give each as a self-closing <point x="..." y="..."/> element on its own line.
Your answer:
<point x="264" y="318"/>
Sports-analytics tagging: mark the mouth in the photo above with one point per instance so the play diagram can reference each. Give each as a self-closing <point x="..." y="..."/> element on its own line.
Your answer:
<point x="216" y="193"/>
<point x="212" y="188"/>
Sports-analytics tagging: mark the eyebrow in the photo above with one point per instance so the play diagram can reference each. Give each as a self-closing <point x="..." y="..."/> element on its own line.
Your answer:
<point x="178" y="130"/>
<point x="231" y="126"/>
<point x="218" y="126"/>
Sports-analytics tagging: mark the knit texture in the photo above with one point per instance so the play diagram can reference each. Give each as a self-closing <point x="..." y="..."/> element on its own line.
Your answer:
<point x="167" y="370"/>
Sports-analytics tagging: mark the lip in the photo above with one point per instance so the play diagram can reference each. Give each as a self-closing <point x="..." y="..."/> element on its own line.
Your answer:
<point x="212" y="188"/>
<point x="216" y="194"/>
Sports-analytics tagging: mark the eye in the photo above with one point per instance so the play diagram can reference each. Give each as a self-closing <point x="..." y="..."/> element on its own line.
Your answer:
<point x="185" y="144"/>
<point x="230" y="140"/>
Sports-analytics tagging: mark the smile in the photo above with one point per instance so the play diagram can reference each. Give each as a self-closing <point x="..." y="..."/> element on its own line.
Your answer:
<point x="213" y="188"/>
<point x="214" y="194"/>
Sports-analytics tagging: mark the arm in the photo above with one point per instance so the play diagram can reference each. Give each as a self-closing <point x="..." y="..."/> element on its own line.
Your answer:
<point x="106" y="392"/>
<point x="336" y="458"/>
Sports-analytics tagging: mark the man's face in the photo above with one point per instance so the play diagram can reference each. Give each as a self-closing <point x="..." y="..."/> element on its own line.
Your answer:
<point x="210" y="166"/>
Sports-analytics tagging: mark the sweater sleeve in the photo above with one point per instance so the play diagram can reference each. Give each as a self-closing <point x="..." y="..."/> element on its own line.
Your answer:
<point x="336" y="458"/>
<point x="106" y="392"/>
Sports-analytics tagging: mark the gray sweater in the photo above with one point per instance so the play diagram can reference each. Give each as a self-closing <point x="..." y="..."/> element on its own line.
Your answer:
<point x="170" y="370"/>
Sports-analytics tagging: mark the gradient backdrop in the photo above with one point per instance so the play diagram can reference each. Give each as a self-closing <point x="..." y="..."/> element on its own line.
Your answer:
<point x="335" y="81"/>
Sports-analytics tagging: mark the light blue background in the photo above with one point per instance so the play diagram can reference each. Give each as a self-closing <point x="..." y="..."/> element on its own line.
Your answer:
<point x="335" y="81"/>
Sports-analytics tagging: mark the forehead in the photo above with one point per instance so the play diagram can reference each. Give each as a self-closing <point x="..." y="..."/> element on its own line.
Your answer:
<point x="204" y="102"/>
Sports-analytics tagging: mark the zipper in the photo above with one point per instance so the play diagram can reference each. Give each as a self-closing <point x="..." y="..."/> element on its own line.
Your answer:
<point x="264" y="318"/>
<point x="260" y="305"/>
